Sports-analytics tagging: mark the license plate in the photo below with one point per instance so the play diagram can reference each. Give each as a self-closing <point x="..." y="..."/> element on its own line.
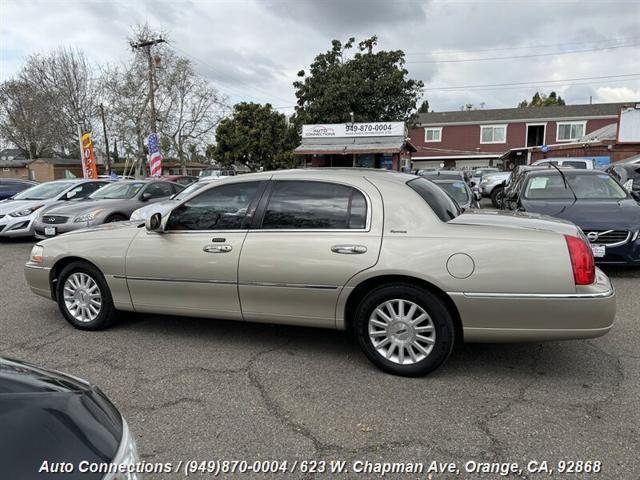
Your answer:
<point x="599" y="251"/>
<point x="49" y="231"/>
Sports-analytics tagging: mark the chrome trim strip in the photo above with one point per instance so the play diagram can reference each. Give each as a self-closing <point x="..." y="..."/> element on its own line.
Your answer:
<point x="607" y="293"/>
<point x="289" y="285"/>
<point x="228" y="282"/>
<point x="178" y="280"/>
<point x="36" y="267"/>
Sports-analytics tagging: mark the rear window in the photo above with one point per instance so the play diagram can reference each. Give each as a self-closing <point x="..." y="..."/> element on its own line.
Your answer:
<point x="441" y="203"/>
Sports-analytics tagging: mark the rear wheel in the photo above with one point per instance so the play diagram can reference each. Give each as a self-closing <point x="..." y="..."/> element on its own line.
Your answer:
<point x="404" y="329"/>
<point x="84" y="297"/>
<point x="496" y="196"/>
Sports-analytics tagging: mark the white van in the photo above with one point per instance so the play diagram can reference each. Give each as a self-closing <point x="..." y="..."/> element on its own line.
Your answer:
<point x="575" y="162"/>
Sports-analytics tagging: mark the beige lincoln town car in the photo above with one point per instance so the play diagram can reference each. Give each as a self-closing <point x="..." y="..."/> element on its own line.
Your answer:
<point x="386" y="255"/>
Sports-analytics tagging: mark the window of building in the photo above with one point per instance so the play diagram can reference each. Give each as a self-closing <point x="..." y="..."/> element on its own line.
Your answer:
<point x="315" y="205"/>
<point x="570" y="131"/>
<point x="493" y="134"/>
<point x="433" y="134"/>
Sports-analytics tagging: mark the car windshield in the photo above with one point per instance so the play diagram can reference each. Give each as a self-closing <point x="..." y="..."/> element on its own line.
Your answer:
<point x="457" y="190"/>
<point x="189" y="190"/>
<point x="441" y="203"/>
<point x="117" y="191"/>
<point x="550" y="186"/>
<point x="43" y="191"/>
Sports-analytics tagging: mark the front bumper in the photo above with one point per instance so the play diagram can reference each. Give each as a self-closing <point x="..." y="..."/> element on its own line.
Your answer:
<point x="60" y="228"/>
<point x="627" y="254"/>
<point x="38" y="279"/>
<point x="523" y="317"/>
<point x="16" y="226"/>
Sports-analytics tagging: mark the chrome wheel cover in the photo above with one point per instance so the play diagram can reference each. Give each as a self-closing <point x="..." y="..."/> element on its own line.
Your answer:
<point x="402" y="331"/>
<point x="82" y="297"/>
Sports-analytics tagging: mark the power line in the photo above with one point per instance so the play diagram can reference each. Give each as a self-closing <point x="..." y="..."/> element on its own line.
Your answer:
<point x="532" y="55"/>
<point x="522" y="47"/>
<point x="530" y="83"/>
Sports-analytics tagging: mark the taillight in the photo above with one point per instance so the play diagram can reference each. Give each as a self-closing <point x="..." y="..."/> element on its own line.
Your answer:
<point x="584" y="270"/>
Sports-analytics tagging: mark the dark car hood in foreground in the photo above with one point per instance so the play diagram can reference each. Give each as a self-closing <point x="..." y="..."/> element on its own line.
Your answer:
<point x="591" y="214"/>
<point x="47" y="415"/>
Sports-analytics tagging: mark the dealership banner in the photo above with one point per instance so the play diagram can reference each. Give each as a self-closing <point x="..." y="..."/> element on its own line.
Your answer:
<point x="155" y="160"/>
<point x="89" y="169"/>
<point x="342" y="130"/>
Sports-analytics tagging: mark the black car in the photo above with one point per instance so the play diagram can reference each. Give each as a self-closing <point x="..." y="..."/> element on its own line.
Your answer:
<point x="52" y="422"/>
<point x="607" y="214"/>
<point x="460" y="192"/>
<point x="10" y="186"/>
<point x="628" y="174"/>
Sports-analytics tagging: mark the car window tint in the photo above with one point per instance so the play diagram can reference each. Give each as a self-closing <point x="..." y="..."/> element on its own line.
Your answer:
<point x="159" y="190"/>
<point x="221" y="208"/>
<point x="575" y="164"/>
<point x="314" y="205"/>
<point x="441" y="203"/>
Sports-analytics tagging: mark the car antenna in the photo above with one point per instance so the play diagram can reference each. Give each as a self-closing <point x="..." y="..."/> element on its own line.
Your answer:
<point x="564" y="179"/>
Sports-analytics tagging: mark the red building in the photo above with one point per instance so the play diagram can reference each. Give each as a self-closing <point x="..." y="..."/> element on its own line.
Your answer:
<point x="490" y="137"/>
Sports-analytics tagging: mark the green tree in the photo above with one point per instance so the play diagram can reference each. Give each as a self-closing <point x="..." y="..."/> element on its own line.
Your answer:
<point x="542" y="100"/>
<point x="257" y="136"/>
<point x="424" y="107"/>
<point x="372" y="86"/>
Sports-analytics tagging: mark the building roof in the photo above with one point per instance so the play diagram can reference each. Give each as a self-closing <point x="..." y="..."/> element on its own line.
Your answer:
<point x="14" y="163"/>
<point x="608" y="132"/>
<point x="363" y="145"/>
<point x="523" y="114"/>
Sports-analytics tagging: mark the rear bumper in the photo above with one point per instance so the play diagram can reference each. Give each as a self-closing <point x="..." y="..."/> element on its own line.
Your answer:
<point x="514" y="317"/>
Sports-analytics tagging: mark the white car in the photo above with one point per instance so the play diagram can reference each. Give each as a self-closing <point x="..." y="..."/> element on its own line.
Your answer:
<point x="165" y="206"/>
<point x="216" y="173"/>
<point x="17" y="214"/>
<point x="575" y="162"/>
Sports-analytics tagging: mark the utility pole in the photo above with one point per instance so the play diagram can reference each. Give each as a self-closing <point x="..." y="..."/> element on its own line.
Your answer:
<point x="107" y="164"/>
<point x="146" y="45"/>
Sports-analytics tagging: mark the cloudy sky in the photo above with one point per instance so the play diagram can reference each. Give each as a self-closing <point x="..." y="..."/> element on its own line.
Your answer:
<point x="252" y="49"/>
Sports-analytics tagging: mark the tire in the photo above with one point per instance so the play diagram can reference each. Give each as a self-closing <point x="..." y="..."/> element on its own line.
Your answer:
<point x="89" y="281"/>
<point x="438" y="322"/>
<point x="116" y="217"/>
<point x="496" y="196"/>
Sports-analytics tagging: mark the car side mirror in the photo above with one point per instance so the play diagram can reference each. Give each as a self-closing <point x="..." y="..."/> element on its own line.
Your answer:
<point x="146" y="196"/>
<point x="154" y="223"/>
<point x="70" y="195"/>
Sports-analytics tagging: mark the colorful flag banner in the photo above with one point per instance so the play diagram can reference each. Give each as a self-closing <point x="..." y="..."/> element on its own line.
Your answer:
<point x="89" y="169"/>
<point x="155" y="161"/>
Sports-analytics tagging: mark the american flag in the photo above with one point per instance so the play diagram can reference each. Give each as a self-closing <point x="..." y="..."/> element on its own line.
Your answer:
<point x="155" y="161"/>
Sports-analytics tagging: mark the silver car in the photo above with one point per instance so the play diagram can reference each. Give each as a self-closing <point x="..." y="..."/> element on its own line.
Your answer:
<point x="165" y="206"/>
<point x="18" y="214"/>
<point x="386" y="255"/>
<point x="113" y="203"/>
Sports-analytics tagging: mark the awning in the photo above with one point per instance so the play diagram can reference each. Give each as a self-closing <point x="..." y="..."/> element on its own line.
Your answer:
<point x="349" y="146"/>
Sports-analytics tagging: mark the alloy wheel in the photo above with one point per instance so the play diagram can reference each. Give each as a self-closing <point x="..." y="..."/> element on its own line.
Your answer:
<point x="82" y="297"/>
<point x="401" y="331"/>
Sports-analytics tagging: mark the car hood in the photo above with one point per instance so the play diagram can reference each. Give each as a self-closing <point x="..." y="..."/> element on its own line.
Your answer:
<point x="161" y="207"/>
<point x="8" y="206"/>
<point x="591" y="214"/>
<point x="87" y="205"/>
<point x="47" y="415"/>
<point x="518" y="220"/>
<point x="106" y="227"/>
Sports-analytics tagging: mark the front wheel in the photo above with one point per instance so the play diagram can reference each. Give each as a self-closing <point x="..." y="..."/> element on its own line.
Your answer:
<point x="404" y="329"/>
<point x="84" y="297"/>
<point x="496" y="197"/>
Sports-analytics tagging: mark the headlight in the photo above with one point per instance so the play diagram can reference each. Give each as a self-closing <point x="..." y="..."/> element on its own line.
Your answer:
<point x="126" y="457"/>
<point x="25" y="212"/>
<point x="37" y="253"/>
<point x="87" y="217"/>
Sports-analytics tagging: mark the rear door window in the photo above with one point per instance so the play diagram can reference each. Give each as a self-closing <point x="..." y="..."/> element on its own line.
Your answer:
<point x="441" y="203"/>
<point x="309" y="205"/>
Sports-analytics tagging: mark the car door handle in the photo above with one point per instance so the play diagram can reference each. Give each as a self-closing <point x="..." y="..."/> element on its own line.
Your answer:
<point x="217" y="248"/>
<point x="349" y="249"/>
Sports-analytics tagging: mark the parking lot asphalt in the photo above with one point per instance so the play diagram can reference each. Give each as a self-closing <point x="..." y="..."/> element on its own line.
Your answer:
<point x="204" y="389"/>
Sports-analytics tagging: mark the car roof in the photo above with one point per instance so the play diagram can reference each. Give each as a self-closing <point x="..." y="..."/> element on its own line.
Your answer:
<point x="328" y="173"/>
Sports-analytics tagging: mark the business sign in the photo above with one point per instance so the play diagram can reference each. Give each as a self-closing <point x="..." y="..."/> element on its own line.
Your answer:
<point x="345" y="130"/>
<point x="89" y="169"/>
